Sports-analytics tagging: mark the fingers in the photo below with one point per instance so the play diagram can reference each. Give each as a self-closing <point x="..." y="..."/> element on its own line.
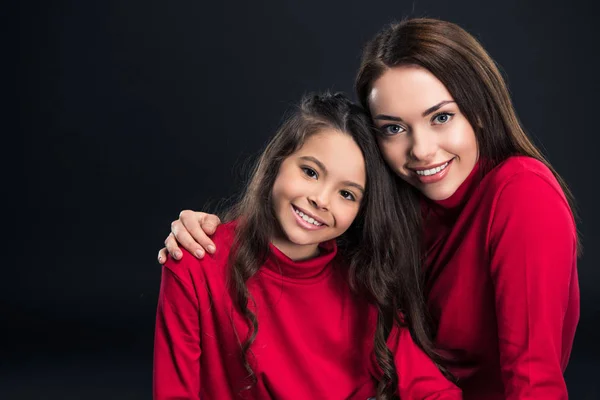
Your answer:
<point x="162" y="255"/>
<point x="190" y="237"/>
<point x="210" y="223"/>
<point x="191" y="232"/>
<point x="171" y="245"/>
<point x="198" y="225"/>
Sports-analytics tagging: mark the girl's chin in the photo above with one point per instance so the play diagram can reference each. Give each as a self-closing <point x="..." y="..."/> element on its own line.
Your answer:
<point x="303" y="242"/>
<point x="297" y="239"/>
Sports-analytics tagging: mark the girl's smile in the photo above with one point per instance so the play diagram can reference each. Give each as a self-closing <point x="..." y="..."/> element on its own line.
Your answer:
<point x="317" y="193"/>
<point x="307" y="220"/>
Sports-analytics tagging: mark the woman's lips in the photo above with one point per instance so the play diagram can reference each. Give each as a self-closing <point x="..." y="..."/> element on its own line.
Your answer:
<point x="433" y="174"/>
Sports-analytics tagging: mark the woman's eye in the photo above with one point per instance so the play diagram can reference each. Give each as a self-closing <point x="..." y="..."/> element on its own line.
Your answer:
<point x="347" y="195"/>
<point x="442" y="118"/>
<point x="311" y="173"/>
<point x="392" y="129"/>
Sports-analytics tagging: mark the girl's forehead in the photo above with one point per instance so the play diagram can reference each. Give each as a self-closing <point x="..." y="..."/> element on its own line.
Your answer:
<point x="326" y="141"/>
<point x="336" y="152"/>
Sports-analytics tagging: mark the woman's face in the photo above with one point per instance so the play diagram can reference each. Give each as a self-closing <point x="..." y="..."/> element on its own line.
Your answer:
<point x="423" y="135"/>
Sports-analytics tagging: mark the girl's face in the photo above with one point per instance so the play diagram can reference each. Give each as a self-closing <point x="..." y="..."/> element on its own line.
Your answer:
<point x="317" y="192"/>
<point x="423" y="135"/>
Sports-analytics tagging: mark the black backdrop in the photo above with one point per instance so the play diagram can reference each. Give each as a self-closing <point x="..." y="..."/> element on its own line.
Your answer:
<point x="126" y="112"/>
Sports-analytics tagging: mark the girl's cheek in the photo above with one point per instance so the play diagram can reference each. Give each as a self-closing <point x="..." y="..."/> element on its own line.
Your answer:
<point x="352" y="211"/>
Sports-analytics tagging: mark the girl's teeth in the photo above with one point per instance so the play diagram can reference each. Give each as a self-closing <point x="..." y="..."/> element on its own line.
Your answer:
<point x="308" y="219"/>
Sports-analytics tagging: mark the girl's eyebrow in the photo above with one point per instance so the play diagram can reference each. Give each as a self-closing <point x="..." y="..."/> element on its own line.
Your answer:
<point x="324" y="169"/>
<point x="355" y="185"/>
<point x="424" y="114"/>
<point x="316" y="161"/>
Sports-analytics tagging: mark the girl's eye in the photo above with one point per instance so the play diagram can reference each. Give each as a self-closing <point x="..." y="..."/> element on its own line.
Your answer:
<point x="392" y="129"/>
<point x="347" y="195"/>
<point x="311" y="173"/>
<point x="442" y="118"/>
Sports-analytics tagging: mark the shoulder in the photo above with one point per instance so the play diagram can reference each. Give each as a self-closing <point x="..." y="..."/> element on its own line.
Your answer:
<point x="225" y="233"/>
<point x="189" y="266"/>
<point x="521" y="168"/>
<point x="527" y="198"/>
<point x="522" y="179"/>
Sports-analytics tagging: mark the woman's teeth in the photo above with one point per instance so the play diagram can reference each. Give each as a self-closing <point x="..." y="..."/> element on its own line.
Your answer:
<point x="308" y="219"/>
<point x="432" y="171"/>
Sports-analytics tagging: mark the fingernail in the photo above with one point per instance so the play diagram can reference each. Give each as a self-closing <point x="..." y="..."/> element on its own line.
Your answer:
<point x="211" y="248"/>
<point x="199" y="253"/>
<point x="159" y="258"/>
<point x="178" y="255"/>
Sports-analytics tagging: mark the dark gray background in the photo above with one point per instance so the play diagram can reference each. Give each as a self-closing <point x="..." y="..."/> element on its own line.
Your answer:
<point x="126" y="112"/>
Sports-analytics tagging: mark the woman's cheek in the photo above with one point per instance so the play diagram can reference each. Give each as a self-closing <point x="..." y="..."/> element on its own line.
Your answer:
<point x="460" y="139"/>
<point x="393" y="155"/>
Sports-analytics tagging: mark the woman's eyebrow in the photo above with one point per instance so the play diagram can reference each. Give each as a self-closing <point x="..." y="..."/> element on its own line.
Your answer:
<point x="388" y="118"/>
<point x="424" y="114"/>
<point x="436" y="107"/>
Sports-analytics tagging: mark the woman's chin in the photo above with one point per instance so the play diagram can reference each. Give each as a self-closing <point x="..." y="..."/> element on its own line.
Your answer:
<point x="439" y="193"/>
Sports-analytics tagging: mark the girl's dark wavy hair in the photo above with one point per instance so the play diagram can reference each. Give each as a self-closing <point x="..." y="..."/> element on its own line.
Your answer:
<point x="380" y="249"/>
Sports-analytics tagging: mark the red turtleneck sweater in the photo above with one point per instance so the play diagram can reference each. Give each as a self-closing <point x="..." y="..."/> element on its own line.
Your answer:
<point x="315" y="337"/>
<point x="502" y="281"/>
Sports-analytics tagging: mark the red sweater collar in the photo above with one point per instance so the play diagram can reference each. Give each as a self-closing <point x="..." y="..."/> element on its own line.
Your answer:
<point x="281" y="266"/>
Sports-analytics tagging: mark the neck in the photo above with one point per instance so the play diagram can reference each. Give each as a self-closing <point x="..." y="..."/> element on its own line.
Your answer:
<point x="294" y="251"/>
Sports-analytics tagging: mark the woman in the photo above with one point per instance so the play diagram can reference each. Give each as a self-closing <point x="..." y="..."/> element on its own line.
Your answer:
<point x="497" y="230"/>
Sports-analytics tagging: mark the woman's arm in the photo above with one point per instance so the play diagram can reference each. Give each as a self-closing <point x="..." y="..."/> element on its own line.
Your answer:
<point x="190" y="231"/>
<point x="177" y="338"/>
<point x="533" y="267"/>
<point x="418" y="376"/>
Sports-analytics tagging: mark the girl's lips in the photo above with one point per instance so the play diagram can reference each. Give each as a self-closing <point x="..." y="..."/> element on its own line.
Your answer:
<point x="309" y="214"/>
<point x="305" y="224"/>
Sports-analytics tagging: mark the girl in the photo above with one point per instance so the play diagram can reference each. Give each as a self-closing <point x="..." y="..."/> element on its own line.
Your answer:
<point x="498" y="236"/>
<point x="273" y="314"/>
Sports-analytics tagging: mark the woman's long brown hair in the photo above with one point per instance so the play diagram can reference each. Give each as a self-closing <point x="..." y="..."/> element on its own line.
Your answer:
<point x="380" y="250"/>
<point x="471" y="76"/>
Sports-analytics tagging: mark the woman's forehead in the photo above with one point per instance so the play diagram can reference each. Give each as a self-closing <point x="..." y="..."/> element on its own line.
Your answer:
<point x="407" y="89"/>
